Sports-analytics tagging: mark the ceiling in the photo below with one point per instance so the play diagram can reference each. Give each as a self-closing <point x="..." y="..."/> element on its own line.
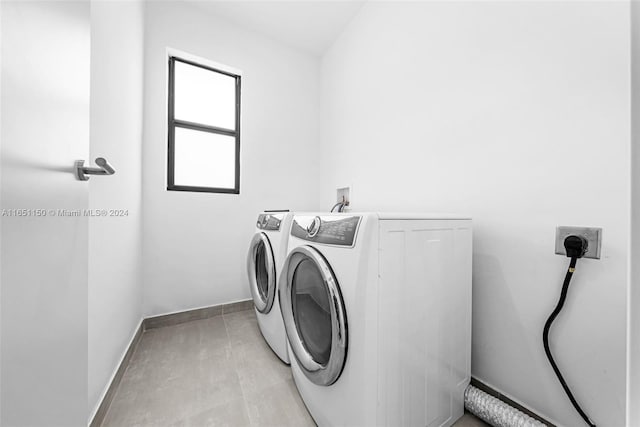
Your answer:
<point x="312" y="26"/>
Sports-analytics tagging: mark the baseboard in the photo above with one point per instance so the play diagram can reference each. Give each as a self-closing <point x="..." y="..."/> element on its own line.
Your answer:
<point x="159" y="322"/>
<point x="497" y="394"/>
<point x="195" y="314"/>
<point x="101" y="412"/>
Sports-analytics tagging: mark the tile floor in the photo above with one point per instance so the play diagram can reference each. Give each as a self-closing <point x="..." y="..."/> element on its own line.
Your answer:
<point x="212" y="372"/>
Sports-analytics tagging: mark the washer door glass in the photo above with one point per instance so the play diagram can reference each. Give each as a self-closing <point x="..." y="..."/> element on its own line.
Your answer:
<point x="314" y="315"/>
<point x="262" y="273"/>
<point x="312" y="310"/>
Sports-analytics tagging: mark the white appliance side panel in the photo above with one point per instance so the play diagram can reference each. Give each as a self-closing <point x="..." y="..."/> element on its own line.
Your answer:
<point x="390" y="319"/>
<point x="461" y="305"/>
<point x="424" y="329"/>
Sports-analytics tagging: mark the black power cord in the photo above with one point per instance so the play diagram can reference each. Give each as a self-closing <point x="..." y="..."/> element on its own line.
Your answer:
<point x="576" y="247"/>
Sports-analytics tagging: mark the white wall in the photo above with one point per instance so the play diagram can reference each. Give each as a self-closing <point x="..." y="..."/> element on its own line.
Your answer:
<point x="633" y="354"/>
<point x="1" y="207"/>
<point x="0" y="210"/>
<point x="194" y="244"/>
<point x="115" y="283"/>
<point x="517" y="113"/>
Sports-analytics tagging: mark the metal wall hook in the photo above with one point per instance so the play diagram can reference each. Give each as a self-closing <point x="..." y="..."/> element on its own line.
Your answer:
<point x="82" y="171"/>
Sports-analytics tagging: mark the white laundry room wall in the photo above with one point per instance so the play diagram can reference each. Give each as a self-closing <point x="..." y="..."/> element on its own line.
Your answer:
<point x="194" y="244"/>
<point x="516" y="113"/>
<point x="633" y="396"/>
<point x="115" y="242"/>
<point x="0" y="208"/>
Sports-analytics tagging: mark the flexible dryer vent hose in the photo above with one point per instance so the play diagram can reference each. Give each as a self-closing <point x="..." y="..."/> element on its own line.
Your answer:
<point x="496" y="412"/>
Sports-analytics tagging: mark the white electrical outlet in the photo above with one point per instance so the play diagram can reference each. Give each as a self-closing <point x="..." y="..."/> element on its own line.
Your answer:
<point x="592" y="234"/>
<point x="342" y="195"/>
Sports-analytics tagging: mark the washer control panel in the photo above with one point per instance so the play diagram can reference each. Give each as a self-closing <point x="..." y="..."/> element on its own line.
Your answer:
<point x="270" y="221"/>
<point x="328" y="230"/>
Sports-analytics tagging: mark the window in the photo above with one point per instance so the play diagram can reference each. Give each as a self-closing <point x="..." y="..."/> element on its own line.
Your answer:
<point x="204" y="128"/>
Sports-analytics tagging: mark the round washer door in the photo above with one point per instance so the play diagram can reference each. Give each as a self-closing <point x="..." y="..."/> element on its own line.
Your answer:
<point x="314" y="315"/>
<point x="261" y="269"/>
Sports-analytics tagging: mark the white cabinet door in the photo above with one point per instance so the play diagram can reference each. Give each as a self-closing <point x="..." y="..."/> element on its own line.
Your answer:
<point x="44" y="127"/>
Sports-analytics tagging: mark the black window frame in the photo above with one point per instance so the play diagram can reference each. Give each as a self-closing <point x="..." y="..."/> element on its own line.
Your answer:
<point x="173" y="123"/>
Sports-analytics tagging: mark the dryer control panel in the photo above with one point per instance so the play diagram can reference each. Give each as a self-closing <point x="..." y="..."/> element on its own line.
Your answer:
<point x="270" y="221"/>
<point x="328" y="230"/>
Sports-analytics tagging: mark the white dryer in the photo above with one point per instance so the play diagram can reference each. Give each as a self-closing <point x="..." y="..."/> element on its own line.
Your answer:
<point x="264" y="262"/>
<point x="377" y="310"/>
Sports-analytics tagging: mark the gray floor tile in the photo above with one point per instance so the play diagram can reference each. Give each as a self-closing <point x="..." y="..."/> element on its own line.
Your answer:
<point x="303" y="417"/>
<point x="211" y="372"/>
<point x="231" y="414"/>
<point x="468" y="420"/>
<point x="258" y="367"/>
<point x="177" y="372"/>
<point x="277" y="405"/>
<point x="242" y="327"/>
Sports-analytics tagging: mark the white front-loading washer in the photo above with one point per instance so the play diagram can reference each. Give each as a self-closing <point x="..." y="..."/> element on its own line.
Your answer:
<point x="377" y="310"/>
<point x="264" y="262"/>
